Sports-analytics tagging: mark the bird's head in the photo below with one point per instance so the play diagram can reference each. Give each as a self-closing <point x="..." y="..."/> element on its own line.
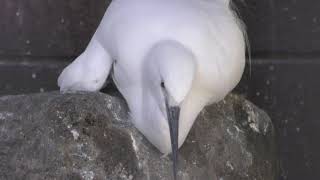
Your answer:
<point x="171" y="73"/>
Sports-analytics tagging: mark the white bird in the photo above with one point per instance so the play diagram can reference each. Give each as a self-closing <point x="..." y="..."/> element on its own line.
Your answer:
<point x="170" y="59"/>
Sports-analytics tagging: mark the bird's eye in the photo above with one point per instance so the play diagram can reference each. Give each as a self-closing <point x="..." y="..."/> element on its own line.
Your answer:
<point x="162" y="85"/>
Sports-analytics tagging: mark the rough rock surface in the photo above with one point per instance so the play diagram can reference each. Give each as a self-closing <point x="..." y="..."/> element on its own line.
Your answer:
<point x="88" y="136"/>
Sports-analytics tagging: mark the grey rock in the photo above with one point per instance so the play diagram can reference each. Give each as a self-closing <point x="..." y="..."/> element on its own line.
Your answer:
<point x="89" y="136"/>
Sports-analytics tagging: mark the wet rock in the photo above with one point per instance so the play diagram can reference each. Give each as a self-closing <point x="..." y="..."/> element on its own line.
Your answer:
<point x="88" y="136"/>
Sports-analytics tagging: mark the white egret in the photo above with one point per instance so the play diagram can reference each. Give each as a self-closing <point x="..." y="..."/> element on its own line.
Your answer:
<point x="170" y="58"/>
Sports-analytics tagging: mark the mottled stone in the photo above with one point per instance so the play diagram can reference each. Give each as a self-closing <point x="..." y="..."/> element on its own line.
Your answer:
<point x="88" y="136"/>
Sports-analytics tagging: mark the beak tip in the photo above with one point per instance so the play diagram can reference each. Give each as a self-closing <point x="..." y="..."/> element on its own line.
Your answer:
<point x="173" y="120"/>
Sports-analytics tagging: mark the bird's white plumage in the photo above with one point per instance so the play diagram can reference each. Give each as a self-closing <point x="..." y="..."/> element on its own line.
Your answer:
<point x="196" y="47"/>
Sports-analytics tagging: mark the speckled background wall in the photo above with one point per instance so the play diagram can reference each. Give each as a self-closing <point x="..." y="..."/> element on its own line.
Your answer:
<point x="39" y="37"/>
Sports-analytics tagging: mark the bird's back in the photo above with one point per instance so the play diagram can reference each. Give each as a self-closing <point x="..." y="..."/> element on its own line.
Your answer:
<point x="207" y="27"/>
<point x="130" y="27"/>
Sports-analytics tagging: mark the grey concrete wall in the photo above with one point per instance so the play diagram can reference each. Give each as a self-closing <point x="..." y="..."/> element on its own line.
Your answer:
<point x="56" y="28"/>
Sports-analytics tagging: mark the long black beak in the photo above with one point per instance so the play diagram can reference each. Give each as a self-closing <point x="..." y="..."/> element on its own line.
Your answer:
<point x="173" y="113"/>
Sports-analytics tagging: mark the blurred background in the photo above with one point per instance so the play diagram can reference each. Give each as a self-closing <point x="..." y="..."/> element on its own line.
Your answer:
<point x="40" y="37"/>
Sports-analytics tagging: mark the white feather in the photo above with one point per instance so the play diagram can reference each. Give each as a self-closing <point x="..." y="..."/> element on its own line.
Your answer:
<point x="195" y="46"/>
